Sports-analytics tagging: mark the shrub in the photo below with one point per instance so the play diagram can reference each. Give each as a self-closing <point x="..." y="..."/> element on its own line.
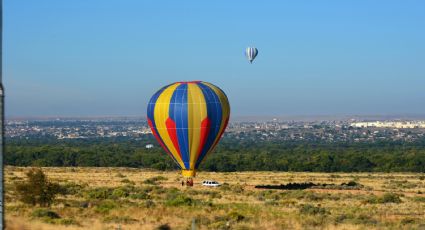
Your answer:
<point x="307" y="195"/>
<point x="103" y="193"/>
<point x="211" y="194"/>
<point x="119" y="219"/>
<point x="99" y="193"/>
<point x="52" y="217"/>
<point x="408" y="220"/>
<point x="220" y="224"/>
<point x="204" y="203"/>
<point x="341" y="218"/>
<point x="42" y="213"/>
<point x="365" y="219"/>
<point x="72" y="188"/>
<point x="180" y="200"/>
<point x="352" y="184"/>
<point x="159" y="178"/>
<point x="372" y="200"/>
<point x="119" y="193"/>
<point x="176" y="198"/>
<point x="311" y="196"/>
<point x="66" y="221"/>
<point x="37" y="189"/>
<point x="398" y="184"/>
<point x="154" y="180"/>
<point x="236" y="216"/>
<point x="106" y="206"/>
<point x="127" y="181"/>
<point x="140" y="196"/>
<point x="419" y="199"/>
<point x="163" y="227"/>
<point x="313" y="221"/>
<point x="237" y="188"/>
<point x="269" y="195"/>
<point x="271" y="202"/>
<point x="386" y="198"/>
<point x="309" y="209"/>
<point x="157" y="189"/>
<point x="390" y="198"/>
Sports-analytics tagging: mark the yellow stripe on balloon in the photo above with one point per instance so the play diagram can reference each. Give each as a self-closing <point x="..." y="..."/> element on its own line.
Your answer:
<point x="197" y="112"/>
<point x="225" y="108"/>
<point x="161" y="114"/>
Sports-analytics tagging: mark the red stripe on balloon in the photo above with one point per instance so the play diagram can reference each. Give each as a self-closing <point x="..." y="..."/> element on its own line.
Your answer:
<point x="205" y="130"/>
<point x="155" y="134"/>
<point x="172" y="132"/>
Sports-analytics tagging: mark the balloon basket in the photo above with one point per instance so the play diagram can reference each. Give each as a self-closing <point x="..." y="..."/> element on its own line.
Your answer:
<point x="188" y="173"/>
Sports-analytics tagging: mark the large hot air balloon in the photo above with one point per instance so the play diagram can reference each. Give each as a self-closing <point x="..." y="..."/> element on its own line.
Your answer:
<point x="251" y="53"/>
<point x="188" y="119"/>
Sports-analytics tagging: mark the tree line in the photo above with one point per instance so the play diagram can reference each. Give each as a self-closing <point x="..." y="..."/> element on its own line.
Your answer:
<point x="230" y="155"/>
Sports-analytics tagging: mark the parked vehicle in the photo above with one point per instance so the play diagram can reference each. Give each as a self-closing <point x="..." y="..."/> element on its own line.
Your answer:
<point x="210" y="183"/>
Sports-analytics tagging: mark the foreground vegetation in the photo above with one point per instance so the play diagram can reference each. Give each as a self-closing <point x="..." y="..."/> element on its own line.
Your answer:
<point x="231" y="155"/>
<point x="126" y="198"/>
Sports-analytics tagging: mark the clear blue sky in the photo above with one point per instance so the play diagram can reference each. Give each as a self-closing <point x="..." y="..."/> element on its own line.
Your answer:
<point x="100" y="57"/>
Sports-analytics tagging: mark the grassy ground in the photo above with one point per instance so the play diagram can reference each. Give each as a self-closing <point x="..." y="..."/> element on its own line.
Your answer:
<point x="121" y="198"/>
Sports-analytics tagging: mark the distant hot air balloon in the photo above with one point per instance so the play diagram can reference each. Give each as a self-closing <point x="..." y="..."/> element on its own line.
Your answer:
<point x="251" y="53"/>
<point x="188" y="119"/>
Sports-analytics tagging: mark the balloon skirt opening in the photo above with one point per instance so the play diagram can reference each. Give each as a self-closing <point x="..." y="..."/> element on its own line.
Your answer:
<point x="188" y="173"/>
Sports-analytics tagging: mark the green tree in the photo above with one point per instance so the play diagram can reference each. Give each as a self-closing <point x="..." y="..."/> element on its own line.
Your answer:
<point x="37" y="190"/>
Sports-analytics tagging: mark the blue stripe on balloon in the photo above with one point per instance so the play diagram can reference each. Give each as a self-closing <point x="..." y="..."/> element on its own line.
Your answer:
<point x="215" y="113"/>
<point x="178" y="111"/>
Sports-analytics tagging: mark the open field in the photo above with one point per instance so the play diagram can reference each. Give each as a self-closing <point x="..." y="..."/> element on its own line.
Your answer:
<point x="123" y="198"/>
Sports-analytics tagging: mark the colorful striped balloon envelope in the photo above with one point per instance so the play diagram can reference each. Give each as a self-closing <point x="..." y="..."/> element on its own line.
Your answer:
<point x="188" y="119"/>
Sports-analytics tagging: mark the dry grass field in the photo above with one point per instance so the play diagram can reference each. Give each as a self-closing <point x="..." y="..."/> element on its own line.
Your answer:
<point x="122" y="198"/>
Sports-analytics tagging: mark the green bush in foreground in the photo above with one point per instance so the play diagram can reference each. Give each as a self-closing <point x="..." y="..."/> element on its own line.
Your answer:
<point x="119" y="192"/>
<point x="51" y="217"/>
<point x="106" y="206"/>
<point x="40" y="213"/>
<point x="386" y="198"/>
<point x="154" y="180"/>
<point x="99" y="193"/>
<point x="180" y="200"/>
<point x="127" y="181"/>
<point x="309" y="209"/>
<point x="38" y="190"/>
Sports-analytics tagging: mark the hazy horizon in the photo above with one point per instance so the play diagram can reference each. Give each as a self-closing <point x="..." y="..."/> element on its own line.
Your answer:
<point x="85" y="58"/>
<point x="242" y="118"/>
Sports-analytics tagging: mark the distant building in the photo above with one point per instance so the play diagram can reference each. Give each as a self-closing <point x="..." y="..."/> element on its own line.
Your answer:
<point x="149" y="146"/>
<point x="390" y="124"/>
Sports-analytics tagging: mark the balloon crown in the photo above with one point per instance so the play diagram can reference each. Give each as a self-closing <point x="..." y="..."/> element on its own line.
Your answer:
<point x="185" y="82"/>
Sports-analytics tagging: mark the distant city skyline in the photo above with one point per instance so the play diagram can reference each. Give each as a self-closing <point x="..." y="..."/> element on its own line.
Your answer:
<point x="100" y="58"/>
<point x="328" y="131"/>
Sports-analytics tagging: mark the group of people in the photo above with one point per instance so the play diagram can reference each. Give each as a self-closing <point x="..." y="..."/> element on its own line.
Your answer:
<point x="189" y="182"/>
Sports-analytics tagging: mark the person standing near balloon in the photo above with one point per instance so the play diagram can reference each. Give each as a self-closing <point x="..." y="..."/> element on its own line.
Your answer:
<point x="188" y="120"/>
